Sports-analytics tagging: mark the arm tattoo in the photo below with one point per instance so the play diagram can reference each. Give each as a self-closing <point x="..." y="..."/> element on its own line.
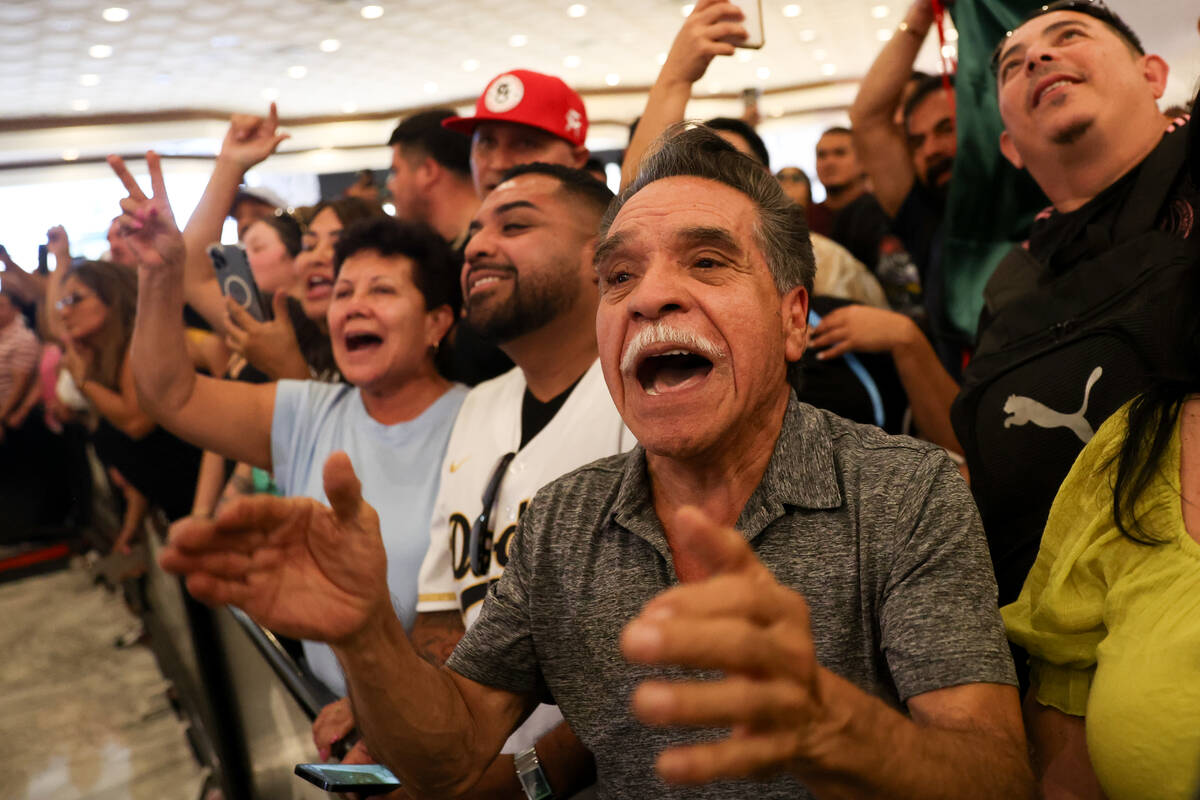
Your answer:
<point x="435" y="635"/>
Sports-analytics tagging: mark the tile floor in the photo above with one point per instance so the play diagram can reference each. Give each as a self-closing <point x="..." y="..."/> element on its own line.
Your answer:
<point x="80" y="718"/>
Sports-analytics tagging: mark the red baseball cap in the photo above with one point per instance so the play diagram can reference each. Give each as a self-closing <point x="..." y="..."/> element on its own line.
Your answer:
<point x="528" y="98"/>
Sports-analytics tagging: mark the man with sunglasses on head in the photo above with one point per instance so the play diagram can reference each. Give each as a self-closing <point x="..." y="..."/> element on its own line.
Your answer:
<point x="1072" y="319"/>
<point x="528" y="288"/>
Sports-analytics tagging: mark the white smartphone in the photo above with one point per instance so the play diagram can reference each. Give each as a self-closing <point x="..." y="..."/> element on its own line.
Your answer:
<point x="753" y="23"/>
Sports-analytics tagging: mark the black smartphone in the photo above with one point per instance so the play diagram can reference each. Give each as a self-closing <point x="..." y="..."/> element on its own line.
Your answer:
<point x="363" y="779"/>
<point x="237" y="281"/>
<point x="43" y="267"/>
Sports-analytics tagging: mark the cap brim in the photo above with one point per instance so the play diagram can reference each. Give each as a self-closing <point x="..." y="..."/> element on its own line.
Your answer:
<point x="463" y="125"/>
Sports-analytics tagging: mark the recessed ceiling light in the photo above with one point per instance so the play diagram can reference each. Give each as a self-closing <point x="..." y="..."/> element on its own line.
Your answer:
<point x="269" y="94"/>
<point x="430" y="87"/>
<point x="89" y="79"/>
<point x="349" y="108"/>
<point x="576" y="10"/>
<point x="518" y="40"/>
<point x="572" y="62"/>
<point x="70" y="155"/>
<point x="688" y="9"/>
<point x="80" y="105"/>
<point x="298" y="71"/>
<point x="763" y="73"/>
<point x="879" y="12"/>
<point x="744" y="55"/>
<point x="820" y="55"/>
<point x="100" y="51"/>
<point x="612" y="79"/>
<point x="883" y="34"/>
<point x="330" y="45"/>
<point x="828" y="69"/>
<point x="792" y="10"/>
<point x="951" y="35"/>
<point x="662" y="59"/>
<point x="470" y="65"/>
<point x="808" y="35"/>
<point x="949" y="51"/>
<point x="371" y="12"/>
<point x="115" y="14"/>
<point x="389" y="209"/>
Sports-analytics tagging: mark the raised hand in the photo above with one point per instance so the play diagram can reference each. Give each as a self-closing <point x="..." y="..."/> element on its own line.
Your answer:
<point x="704" y="35"/>
<point x="270" y="346"/>
<point x="297" y="567"/>
<point x="147" y="225"/>
<point x="737" y="619"/>
<point x="58" y="244"/>
<point x="251" y="139"/>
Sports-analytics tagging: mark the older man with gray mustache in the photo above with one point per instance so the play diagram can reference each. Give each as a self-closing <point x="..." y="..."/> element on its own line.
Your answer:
<point x="761" y="599"/>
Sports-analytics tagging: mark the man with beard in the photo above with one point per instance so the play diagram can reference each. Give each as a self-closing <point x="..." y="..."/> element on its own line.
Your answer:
<point x="842" y="642"/>
<point x="528" y="287"/>
<point x="910" y="165"/>
<point x="852" y="217"/>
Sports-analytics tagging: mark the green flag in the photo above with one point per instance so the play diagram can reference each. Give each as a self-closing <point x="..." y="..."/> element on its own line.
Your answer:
<point x="991" y="203"/>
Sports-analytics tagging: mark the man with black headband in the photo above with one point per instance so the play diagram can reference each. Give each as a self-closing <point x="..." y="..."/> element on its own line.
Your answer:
<point x="1071" y="324"/>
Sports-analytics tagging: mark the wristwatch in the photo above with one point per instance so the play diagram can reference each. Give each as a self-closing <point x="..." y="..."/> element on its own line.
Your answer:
<point x="533" y="779"/>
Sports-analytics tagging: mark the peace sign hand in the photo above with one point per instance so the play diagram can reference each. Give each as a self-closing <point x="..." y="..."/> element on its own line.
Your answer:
<point x="147" y="224"/>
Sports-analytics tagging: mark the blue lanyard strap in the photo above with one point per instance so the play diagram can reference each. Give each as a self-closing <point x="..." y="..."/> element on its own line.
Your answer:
<point x="860" y="372"/>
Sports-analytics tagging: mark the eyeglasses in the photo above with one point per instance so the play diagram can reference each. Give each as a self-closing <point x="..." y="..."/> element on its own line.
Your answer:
<point x="480" y="544"/>
<point x="73" y="299"/>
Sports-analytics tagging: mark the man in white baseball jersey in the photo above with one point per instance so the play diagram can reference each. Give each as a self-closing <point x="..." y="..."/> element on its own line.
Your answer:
<point x="528" y="286"/>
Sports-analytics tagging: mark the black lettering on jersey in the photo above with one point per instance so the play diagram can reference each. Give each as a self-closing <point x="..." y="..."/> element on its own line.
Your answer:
<point x="505" y="542"/>
<point x="460" y="540"/>
<point x="475" y="593"/>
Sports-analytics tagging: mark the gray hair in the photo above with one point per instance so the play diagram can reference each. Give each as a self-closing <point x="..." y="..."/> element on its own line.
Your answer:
<point x="689" y="150"/>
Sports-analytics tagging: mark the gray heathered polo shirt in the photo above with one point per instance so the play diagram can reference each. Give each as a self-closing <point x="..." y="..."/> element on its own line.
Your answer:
<point x="879" y="533"/>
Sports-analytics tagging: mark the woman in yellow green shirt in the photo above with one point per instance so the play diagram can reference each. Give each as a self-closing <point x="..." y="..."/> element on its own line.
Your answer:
<point x="1110" y="613"/>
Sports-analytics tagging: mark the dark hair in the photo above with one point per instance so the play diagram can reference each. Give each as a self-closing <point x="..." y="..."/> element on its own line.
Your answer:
<point x="742" y="129"/>
<point x="782" y="230"/>
<point x="838" y="129"/>
<point x="925" y="87"/>
<point x="349" y="210"/>
<point x="289" y="230"/>
<point x="1153" y="414"/>
<point x="1092" y="8"/>
<point x="435" y="271"/>
<point x="116" y="287"/>
<point x="577" y="183"/>
<point x="422" y="134"/>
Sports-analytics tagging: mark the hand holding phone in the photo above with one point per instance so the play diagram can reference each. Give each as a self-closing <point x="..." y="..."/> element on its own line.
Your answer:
<point x="237" y="281"/>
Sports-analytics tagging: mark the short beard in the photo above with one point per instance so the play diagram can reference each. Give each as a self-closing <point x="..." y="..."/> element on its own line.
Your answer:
<point x="527" y="309"/>
<point x="1072" y="133"/>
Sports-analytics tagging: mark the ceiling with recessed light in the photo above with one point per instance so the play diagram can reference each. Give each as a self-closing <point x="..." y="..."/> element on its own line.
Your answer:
<point x="78" y="60"/>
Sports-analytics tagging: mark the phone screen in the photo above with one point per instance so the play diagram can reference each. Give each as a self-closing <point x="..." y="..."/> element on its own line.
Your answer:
<point x="361" y="778"/>
<point x="753" y="23"/>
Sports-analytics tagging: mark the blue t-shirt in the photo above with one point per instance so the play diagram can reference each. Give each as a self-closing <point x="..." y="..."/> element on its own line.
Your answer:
<point x="399" y="466"/>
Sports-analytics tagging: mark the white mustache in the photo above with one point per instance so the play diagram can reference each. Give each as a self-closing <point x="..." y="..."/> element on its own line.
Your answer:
<point x="657" y="333"/>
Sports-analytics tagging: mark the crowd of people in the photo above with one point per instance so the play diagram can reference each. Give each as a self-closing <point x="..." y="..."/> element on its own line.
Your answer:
<point x="692" y="491"/>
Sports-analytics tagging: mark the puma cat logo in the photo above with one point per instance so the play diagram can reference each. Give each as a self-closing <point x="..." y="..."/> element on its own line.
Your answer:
<point x="1023" y="410"/>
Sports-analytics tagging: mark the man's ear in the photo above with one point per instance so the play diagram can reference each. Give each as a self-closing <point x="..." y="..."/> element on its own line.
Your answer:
<point x="580" y="154"/>
<point x="427" y="173"/>
<point x="794" y="312"/>
<point x="587" y="260"/>
<point x="1009" y="150"/>
<point x="1155" y="70"/>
